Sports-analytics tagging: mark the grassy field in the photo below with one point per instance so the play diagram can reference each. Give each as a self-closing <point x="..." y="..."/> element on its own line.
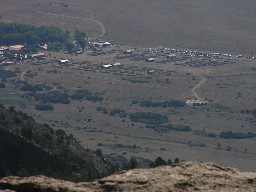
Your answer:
<point x="229" y="91"/>
<point x="212" y="25"/>
<point x="221" y="26"/>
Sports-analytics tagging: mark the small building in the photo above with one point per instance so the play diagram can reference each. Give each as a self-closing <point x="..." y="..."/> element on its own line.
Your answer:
<point x="4" y="48"/>
<point x="171" y="56"/>
<point x="152" y="71"/>
<point x="150" y="60"/>
<point x="63" y="61"/>
<point x="6" y="63"/>
<point x="128" y="51"/>
<point x="101" y="44"/>
<point x="116" y="64"/>
<point x="196" y="103"/>
<point x="16" y="47"/>
<point x="39" y="56"/>
<point x="45" y="46"/>
<point x="107" y="66"/>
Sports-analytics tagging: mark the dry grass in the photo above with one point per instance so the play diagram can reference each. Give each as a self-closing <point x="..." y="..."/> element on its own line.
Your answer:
<point x="226" y="26"/>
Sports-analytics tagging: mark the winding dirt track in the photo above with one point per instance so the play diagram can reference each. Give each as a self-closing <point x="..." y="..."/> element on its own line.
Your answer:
<point x="102" y="27"/>
<point x="193" y="90"/>
<point x="54" y="88"/>
<point x="23" y="74"/>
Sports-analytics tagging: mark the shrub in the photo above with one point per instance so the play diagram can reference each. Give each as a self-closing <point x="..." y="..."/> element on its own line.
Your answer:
<point x="44" y="107"/>
<point x="148" y="117"/>
<point x="236" y="135"/>
<point x="2" y="85"/>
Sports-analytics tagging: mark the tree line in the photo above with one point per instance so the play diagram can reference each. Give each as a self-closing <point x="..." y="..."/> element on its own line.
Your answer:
<point x="18" y="33"/>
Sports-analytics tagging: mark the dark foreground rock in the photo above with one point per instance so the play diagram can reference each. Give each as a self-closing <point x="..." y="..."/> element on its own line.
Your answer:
<point x="189" y="176"/>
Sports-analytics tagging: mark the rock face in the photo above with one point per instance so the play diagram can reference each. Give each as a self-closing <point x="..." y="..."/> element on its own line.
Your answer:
<point x="189" y="176"/>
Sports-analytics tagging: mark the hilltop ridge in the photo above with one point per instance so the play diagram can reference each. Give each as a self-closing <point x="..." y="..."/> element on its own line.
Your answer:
<point x="188" y="176"/>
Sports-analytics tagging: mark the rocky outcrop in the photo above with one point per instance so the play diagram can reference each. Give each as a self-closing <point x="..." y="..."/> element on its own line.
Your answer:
<point x="188" y="176"/>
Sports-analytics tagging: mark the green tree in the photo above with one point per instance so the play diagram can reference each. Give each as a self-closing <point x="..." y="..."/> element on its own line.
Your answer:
<point x="158" y="162"/>
<point x="69" y="47"/>
<point x="81" y="38"/>
<point x="176" y="160"/>
<point x="131" y="164"/>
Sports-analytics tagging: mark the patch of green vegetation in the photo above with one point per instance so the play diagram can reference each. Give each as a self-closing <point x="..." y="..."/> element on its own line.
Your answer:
<point x="44" y="107"/>
<point x="170" y="103"/>
<point x="218" y="106"/>
<point x="103" y="110"/>
<point x="28" y="148"/>
<point x="169" y="127"/>
<point x="247" y="111"/>
<point x="53" y="97"/>
<point x="87" y="95"/>
<point x="159" y="161"/>
<point x="117" y="111"/>
<point x="236" y="135"/>
<point x="13" y="100"/>
<point x="138" y="81"/>
<point x="16" y="33"/>
<point x="7" y="74"/>
<point x="149" y="118"/>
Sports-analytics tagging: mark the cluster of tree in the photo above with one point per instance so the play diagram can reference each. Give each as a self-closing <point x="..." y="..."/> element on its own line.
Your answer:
<point x="171" y="103"/>
<point x="236" y="135"/>
<point x="103" y="110"/>
<point x="169" y="127"/>
<point x="7" y="74"/>
<point x="138" y="81"/>
<point x="247" y="111"/>
<point x="28" y="148"/>
<point x="149" y="118"/>
<point x="16" y="33"/>
<point x="44" y="107"/>
<point x="31" y="88"/>
<point x="2" y="85"/>
<point x="113" y="112"/>
<point x="117" y="111"/>
<point x="160" y="161"/>
<point x="204" y="133"/>
<point x="131" y="164"/>
<point x="87" y="95"/>
<point x="81" y="39"/>
<point x="53" y="97"/>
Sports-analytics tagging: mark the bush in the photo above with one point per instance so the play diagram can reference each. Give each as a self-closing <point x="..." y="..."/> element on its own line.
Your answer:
<point x="170" y="103"/>
<point x="54" y="97"/>
<point x="117" y="111"/>
<point x="236" y="135"/>
<point x="85" y="94"/>
<point x="148" y="117"/>
<point x="44" y="107"/>
<point x="169" y="127"/>
<point x="31" y="88"/>
<point x="2" y="85"/>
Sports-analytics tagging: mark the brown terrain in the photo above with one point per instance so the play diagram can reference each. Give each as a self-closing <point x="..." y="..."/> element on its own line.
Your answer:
<point x="184" y="177"/>
<point x="212" y="25"/>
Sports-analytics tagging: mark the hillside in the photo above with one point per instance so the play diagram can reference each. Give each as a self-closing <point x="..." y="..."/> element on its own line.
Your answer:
<point x="182" y="177"/>
<point x="28" y="148"/>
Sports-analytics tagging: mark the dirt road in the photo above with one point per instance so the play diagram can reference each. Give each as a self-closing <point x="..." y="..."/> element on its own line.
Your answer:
<point x="193" y="90"/>
<point x="102" y="27"/>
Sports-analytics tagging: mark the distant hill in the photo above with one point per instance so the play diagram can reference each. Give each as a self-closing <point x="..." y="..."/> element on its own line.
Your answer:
<point x="29" y="148"/>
